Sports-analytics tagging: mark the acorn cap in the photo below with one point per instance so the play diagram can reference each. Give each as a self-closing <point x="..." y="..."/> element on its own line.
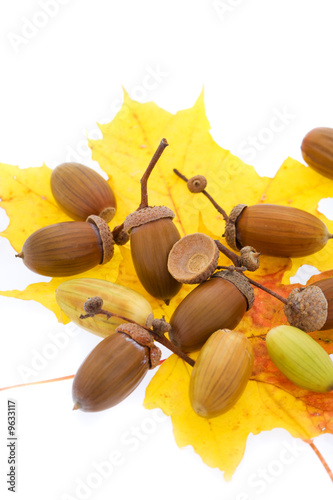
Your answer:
<point x="240" y="281"/>
<point x="307" y="308"/>
<point x="145" y="215"/>
<point x="193" y="258"/>
<point x="197" y="184"/>
<point x="106" y="237"/>
<point x="144" y="338"/>
<point x="230" y="233"/>
<point x="107" y="214"/>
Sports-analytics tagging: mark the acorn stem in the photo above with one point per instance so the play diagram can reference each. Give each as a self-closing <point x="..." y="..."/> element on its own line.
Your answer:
<point x="228" y="253"/>
<point x="117" y="230"/>
<point x="144" y="193"/>
<point x="157" y="336"/>
<point x="267" y="290"/>
<point x="211" y="199"/>
<point x="235" y="259"/>
<point x="232" y="268"/>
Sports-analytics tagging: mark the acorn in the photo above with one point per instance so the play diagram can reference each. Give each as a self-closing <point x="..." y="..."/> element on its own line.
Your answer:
<point x="193" y="258"/>
<point x="221" y="373"/>
<point x="276" y="230"/>
<point x="114" y="368"/>
<point x="152" y="235"/>
<point x="300" y="358"/>
<point x="317" y="150"/>
<point x="80" y="192"/>
<point x="311" y="308"/>
<point x="219" y="303"/>
<point x="271" y="229"/>
<point x="68" y="248"/>
<point x="71" y="296"/>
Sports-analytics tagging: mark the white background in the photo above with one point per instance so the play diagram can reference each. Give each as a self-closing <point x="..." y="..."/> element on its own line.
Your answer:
<point x="63" y="65"/>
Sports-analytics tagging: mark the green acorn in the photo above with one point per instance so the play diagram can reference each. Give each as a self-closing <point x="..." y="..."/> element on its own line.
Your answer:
<point x="300" y="358"/>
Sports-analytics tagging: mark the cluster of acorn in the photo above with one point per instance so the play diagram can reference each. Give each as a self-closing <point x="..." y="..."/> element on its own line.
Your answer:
<point x="206" y="318"/>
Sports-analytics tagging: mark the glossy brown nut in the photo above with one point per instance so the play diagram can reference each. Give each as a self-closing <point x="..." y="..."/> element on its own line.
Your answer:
<point x="317" y="150"/>
<point x="150" y="247"/>
<point x="279" y="231"/>
<point x="66" y="248"/>
<point x="110" y="373"/>
<point x="80" y="192"/>
<point x="212" y="305"/>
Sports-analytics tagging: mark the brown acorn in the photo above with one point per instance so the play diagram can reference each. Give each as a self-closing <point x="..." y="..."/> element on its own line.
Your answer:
<point x="68" y="248"/>
<point x="114" y="368"/>
<point x="276" y="230"/>
<point x="221" y="373"/>
<point x="311" y="308"/>
<point x="218" y="303"/>
<point x="152" y="235"/>
<point x="317" y="150"/>
<point x="80" y="192"/>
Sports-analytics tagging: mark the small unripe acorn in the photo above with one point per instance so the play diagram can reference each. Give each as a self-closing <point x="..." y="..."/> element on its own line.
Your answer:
<point x="300" y="358"/>
<point x="114" y="368"/>
<point x="80" y="192"/>
<point x="317" y="150"/>
<point x="71" y="296"/>
<point x="249" y="258"/>
<point x="218" y="303"/>
<point x="311" y="308"/>
<point x="197" y="184"/>
<point x="276" y="230"/>
<point x="68" y="248"/>
<point x="221" y="373"/>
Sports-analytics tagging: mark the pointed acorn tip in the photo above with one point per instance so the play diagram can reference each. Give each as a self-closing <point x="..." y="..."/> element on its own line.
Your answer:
<point x="76" y="406"/>
<point x="19" y="255"/>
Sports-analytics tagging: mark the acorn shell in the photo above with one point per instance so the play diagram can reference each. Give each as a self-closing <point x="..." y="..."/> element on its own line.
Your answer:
<point x="317" y="150"/>
<point x="72" y="294"/>
<point x="110" y="373"/>
<point x="67" y="248"/>
<point x="212" y="305"/>
<point x="276" y="230"/>
<point x="80" y="192"/>
<point x="221" y="373"/>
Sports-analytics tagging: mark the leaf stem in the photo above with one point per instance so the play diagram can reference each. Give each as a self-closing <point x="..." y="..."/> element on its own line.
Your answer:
<point x="211" y="199"/>
<point x="59" y="379"/>
<point x="144" y="193"/>
<point x="321" y="458"/>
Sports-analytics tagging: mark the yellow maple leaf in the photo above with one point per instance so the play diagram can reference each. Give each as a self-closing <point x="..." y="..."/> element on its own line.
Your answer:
<point x="124" y="152"/>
